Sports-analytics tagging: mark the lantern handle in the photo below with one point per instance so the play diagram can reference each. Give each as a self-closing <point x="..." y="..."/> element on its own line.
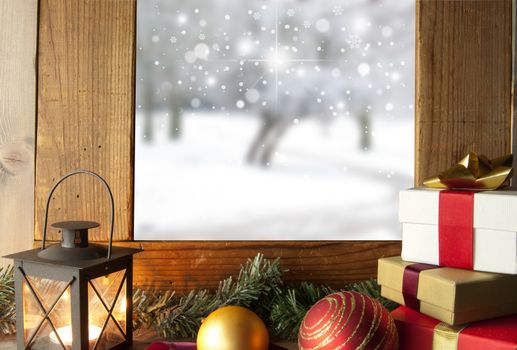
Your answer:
<point x="106" y="186"/>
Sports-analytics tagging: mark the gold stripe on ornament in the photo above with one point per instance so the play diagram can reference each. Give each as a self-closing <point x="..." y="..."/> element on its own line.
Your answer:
<point x="446" y="337"/>
<point x="338" y="312"/>
<point x="337" y="320"/>
<point x="332" y="307"/>
<point x="321" y="331"/>
<point x="373" y="326"/>
<point x="331" y="337"/>
<point x="379" y="319"/>
<point x="330" y="322"/>
<point x="311" y="335"/>
<point x="356" y="328"/>
<point x="322" y="317"/>
<point x="387" y="332"/>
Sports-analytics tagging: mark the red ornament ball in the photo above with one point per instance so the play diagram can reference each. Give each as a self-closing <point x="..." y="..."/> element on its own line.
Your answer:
<point x="348" y="321"/>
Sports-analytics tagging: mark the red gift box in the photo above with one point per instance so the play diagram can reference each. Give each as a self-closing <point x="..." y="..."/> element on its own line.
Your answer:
<point x="418" y="331"/>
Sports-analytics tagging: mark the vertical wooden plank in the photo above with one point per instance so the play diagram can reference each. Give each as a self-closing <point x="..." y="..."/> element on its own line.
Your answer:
<point x="18" y="38"/>
<point x="86" y="110"/>
<point x="463" y="87"/>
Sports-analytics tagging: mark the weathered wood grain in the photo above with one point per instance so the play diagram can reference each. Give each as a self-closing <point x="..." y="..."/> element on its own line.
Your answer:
<point x="86" y="109"/>
<point x="188" y="265"/>
<point x="18" y="38"/>
<point x="463" y="86"/>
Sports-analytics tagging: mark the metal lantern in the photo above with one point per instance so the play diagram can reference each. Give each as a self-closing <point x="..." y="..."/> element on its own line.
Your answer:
<point x="74" y="295"/>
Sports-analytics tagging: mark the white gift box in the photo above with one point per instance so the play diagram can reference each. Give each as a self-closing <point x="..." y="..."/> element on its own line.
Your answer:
<point x="494" y="228"/>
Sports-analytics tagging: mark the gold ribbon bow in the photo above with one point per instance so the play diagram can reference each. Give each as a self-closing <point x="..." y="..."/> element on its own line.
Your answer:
<point x="474" y="172"/>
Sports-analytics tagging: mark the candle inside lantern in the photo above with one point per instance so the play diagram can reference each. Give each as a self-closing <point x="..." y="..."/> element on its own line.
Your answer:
<point x="65" y="333"/>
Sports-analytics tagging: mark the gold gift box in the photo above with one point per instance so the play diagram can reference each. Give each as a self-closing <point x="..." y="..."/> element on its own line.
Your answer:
<point x="453" y="296"/>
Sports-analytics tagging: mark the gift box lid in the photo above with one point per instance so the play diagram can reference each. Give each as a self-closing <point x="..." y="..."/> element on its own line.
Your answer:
<point x="452" y="295"/>
<point x="496" y="210"/>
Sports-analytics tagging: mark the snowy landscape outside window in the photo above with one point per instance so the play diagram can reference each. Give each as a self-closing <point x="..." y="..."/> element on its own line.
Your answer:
<point x="273" y="119"/>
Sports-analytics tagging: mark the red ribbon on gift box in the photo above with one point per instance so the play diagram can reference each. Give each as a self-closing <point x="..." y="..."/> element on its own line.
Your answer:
<point x="410" y="284"/>
<point x="456" y="229"/>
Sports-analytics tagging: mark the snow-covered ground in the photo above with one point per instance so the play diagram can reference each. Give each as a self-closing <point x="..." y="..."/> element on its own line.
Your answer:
<point x="320" y="186"/>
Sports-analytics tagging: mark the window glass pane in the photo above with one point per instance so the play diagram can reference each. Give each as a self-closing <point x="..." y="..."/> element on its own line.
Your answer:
<point x="273" y="119"/>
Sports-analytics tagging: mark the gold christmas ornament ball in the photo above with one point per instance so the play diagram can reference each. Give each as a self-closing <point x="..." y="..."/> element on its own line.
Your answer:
<point x="232" y="328"/>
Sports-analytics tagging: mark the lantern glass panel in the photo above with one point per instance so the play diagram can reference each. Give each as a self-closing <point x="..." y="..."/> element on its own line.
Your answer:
<point x="107" y="309"/>
<point x="41" y="296"/>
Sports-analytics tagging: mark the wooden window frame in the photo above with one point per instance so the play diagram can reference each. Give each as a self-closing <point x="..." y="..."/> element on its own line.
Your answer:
<point x="85" y="119"/>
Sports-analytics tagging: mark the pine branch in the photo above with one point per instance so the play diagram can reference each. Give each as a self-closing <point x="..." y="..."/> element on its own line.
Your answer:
<point x="184" y="315"/>
<point x="7" y="307"/>
<point x="290" y="306"/>
<point x="257" y="278"/>
<point x="371" y="288"/>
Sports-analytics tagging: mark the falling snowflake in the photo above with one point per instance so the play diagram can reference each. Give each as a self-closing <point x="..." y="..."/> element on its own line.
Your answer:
<point x="202" y="36"/>
<point x="354" y="41"/>
<point x="291" y="12"/>
<point x="363" y="69"/>
<point x="307" y="24"/>
<point x="337" y="10"/>
<point x="322" y="25"/>
<point x="257" y="16"/>
<point x="173" y="40"/>
<point x="240" y="104"/>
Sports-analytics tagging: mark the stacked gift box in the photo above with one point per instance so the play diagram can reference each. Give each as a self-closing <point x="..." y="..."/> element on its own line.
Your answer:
<point x="456" y="280"/>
